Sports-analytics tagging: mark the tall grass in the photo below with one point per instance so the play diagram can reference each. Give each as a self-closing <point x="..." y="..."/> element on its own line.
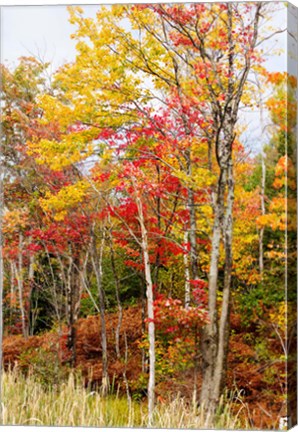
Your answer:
<point x="27" y="402"/>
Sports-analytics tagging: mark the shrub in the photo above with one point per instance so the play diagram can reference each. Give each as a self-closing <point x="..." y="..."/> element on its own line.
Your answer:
<point x="45" y="366"/>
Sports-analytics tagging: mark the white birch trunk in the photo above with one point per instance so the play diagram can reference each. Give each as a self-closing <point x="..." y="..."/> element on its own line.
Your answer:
<point x="117" y="292"/>
<point x="261" y="234"/>
<point x="19" y="275"/>
<point x="97" y="267"/>
<point x="30" y="281"/>
<point x="263" y="185"/>
<point x="186" y="274"/>
<point x="223" y="339"/>
<point x="12" y="291"/>
<point x="150" y="312"/>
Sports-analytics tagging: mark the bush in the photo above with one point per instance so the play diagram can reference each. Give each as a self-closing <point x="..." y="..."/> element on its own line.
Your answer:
<point x="45" y="366"/>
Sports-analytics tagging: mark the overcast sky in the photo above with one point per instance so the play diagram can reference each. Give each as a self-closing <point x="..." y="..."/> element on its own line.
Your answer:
<point x="44" y="31"/>
<point x="38" y="30"/>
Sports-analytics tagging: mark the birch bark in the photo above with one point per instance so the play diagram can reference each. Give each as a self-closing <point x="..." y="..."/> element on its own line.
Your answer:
<point x="150" y="312"/>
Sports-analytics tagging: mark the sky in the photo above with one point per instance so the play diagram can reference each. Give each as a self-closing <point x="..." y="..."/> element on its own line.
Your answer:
<point x="38" y="30"/>
<point x="44" y="31"/>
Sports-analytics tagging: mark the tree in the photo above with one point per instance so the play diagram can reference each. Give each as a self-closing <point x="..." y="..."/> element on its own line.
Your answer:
<point x="22" y="179"/>
<point x="194" y="60"/>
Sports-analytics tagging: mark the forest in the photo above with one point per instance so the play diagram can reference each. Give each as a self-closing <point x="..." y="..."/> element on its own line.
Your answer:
<point x="148" y="253"/>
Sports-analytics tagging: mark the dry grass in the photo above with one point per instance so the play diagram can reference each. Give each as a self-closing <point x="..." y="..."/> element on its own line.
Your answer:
<point x="27" y="402"/>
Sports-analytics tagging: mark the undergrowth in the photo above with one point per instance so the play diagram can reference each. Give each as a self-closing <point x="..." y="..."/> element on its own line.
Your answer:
<point x="26" y="401"/>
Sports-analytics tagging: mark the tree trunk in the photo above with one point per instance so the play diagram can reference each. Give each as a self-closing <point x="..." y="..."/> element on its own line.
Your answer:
<point x="76" y="300"/>
<point x="158" y="211"/>
<point x="73" y="291"/>
<point x="143" y="302"/>
<point x="19" y="276"/>
<point x="223" y="331"/>
<point x="196" y="371"/>
<point x="70" y="315"/>
<point x="97" y="267"/>
<point x="12" y="291"/>
<point x="31" y="323"/>
<point x="53" y="286"/>
<point x="150" y="312"/>
<point x="209" y="333"/>
<point x="263" y="185"/>
<point x="117" y="292"/>
<point x="190" y="193"/>
<point x="192" y="224"/>
<point x="215" y="337"/>
<point x="263" y="210"/>
<point x="193" y="235"/>
<point x="186" y="274"/>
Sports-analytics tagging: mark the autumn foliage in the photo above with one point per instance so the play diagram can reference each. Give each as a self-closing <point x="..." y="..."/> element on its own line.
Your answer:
<point x="144" y="242"/>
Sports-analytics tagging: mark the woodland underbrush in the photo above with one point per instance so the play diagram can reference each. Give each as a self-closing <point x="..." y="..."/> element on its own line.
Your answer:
<point x="26" y="401"/>
<point x="40" y="387"/>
